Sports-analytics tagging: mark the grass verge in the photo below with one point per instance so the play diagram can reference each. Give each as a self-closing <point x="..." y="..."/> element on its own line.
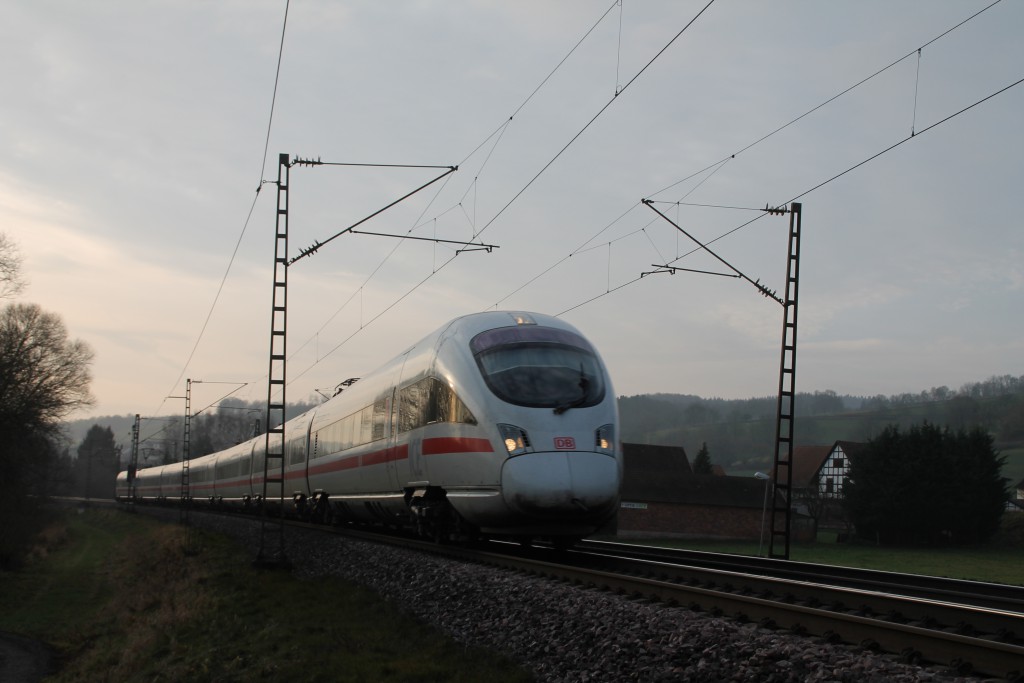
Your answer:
<point x="117" y="597"/>
<point x="1000" y="561"/>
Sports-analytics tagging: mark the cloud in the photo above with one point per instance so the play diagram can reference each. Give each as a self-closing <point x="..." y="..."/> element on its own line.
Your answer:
<point x="131" y="138"/>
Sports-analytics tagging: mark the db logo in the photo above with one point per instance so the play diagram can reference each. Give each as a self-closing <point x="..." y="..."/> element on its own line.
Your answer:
<point x="565" y="443"/>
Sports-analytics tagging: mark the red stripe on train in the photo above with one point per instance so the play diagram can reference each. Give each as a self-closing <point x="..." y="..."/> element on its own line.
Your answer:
<point x="456" y="444"/>
<point x="386" y="455"/>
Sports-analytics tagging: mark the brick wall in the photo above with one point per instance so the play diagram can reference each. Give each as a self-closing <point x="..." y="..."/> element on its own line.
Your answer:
<point x="690" y="521"/>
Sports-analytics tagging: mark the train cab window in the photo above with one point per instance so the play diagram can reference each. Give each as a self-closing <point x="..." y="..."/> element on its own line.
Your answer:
<point x="430" y="400"/>
<point x="539" y="367"/>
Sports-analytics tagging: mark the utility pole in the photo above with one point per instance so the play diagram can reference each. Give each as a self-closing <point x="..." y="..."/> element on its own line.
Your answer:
<point x="782" y="501"/>
<point x="133" y="463"/>
<point x="272" y="551"/>
<point x="782" y="481"/>
<point x="272" y="546"/>
<point x="186" y="498"/>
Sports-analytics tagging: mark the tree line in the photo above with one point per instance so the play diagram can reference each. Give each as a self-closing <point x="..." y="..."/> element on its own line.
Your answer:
<point x="44" y="377"/>
<point x="741" y="433"/>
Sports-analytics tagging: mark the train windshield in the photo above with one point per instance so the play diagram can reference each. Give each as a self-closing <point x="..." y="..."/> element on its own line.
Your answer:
<point x="539" y="367"/>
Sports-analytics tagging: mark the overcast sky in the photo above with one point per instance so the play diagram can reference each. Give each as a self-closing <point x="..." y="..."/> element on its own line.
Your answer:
<point x="133" y="137"/>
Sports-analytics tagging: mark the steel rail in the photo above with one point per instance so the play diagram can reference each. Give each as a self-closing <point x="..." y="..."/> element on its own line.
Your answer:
<point x="975" y="593"/>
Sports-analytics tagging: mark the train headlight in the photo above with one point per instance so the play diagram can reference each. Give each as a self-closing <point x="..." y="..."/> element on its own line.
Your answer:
<point x="605" y="439"/>
<point x="515" y="438"/>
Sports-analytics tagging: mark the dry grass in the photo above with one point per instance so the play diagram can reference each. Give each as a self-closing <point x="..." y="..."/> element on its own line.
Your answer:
<point x="122" y="602"/>
<point x="53" y="537"/>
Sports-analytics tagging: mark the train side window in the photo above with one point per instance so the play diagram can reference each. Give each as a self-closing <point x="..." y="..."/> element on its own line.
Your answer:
<point x="430" y="400"/>
<point x="380" y="417"/>
<point x="410" y="408"/>
<point x="366" y="425"/>
<point x="446" y="406"/>
<point x="296" y="450"/>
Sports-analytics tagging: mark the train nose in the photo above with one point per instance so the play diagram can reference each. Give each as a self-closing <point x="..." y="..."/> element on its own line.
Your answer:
<point x="560" y="483"/>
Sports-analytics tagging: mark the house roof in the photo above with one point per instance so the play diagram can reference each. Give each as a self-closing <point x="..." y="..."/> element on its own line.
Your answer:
<point x="648" y="467"/>
<point x="850" y="447"/>
<point x="808" y="460"/>
<point x="662" y="474"/>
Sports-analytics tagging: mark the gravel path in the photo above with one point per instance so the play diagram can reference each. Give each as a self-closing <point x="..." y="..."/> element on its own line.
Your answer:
<point x="563" y="633"/>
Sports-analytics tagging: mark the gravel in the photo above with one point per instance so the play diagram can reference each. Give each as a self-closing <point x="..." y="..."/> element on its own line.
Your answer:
<point x="563" y="633"/>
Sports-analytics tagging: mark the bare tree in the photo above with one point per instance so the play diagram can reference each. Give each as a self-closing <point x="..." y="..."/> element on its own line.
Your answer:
<point x="11" y="281"/>
<point x="44" y="375"/>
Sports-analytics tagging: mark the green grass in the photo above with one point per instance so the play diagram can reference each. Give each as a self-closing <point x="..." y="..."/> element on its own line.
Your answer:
<point x="62" y="575"/>
<point x="1001" y="561"/>
<point x="1014" y="467"/>
<point x="121" y="602"/>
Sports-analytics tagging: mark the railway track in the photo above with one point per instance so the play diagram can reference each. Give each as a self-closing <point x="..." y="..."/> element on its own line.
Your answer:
<point x="975" y="593"/>
<point x="970" y="627"/>
<point x="958" y="624"/>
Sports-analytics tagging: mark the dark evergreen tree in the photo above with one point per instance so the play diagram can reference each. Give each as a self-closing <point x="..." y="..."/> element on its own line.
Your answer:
<point x="96" y="468"/>
<point x="927" y="486"/>
<point x="702" y="463"/>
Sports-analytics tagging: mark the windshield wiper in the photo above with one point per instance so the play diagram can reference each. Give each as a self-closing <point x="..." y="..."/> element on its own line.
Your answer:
<point x="584" y="386"/>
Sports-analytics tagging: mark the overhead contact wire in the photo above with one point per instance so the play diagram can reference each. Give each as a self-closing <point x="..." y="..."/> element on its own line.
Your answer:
<point x="499" y="132"/>
<point x="248" y="218"/>
<point x="831" y="99"/>
<point x="591" y="121"/>
<point x="816" y="187"/>
<point x="795" y="120"/>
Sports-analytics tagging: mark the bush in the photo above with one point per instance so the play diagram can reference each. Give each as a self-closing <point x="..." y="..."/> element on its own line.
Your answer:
<point x="1011" y="531"/>
<point x="23" y="518"/>
<point x="927" y="486"/>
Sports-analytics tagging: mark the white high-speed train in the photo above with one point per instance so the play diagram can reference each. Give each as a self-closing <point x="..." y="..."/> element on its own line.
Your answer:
<point x="497" y="424"/>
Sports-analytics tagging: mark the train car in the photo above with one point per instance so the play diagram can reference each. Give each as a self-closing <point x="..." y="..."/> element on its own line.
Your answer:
<point x="498" y="424"/>
<point x="232" y="470"/>
<point x="122" y="487"/>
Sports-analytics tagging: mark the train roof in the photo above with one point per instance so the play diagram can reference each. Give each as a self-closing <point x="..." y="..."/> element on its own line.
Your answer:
<point x="465" y="327"/>
<point x="468" y="326"/>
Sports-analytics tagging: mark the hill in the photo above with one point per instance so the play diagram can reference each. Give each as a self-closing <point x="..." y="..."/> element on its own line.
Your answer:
<point x="740" y="434"/>
<point x="233" y="415"/>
